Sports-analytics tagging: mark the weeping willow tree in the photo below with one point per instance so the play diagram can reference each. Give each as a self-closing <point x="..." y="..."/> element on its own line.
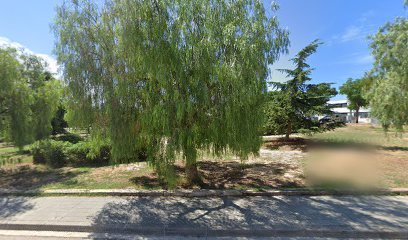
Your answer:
<point x="172" y="76"/>
<point x="9" y="73"/>
<point x="45" y="92"/>
<point x="15" y="99"/>
<point x="28" y="97"/>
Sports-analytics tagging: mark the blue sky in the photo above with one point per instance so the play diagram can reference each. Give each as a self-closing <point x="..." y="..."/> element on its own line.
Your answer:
<point x="342" y="25"/>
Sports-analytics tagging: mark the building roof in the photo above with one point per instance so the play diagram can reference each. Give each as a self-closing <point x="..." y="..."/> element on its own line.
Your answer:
<point x="341" y="110"/>
<point x="346" y="110"/>
<point x="337" y="101"/>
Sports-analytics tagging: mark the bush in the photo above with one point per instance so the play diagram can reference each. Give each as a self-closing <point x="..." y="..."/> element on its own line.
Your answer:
<point x="76" y="154"/>
<point x="69" y="137"/>
<point x="56" y="157"/>
<point x="88" y="154"/>
<point x="38" y="152"/>
<point x="84" y="153"/>
<point x="103" y="156"/>
<point x="331" y="123"/>
<point x="58" y="153"/>
<point x="50" y="152"/>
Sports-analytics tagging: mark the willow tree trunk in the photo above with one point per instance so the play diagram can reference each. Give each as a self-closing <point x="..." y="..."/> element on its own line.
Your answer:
<point x="193" y="176"/>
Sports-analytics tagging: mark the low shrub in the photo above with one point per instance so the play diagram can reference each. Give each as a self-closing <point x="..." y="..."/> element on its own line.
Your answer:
<point x="50" y="152"/>
<point x="331" y="123"/>
<point x="38" y="151"/>
<point x="69" y="137"/>
<point x="76" y="154"/>
<point x="88" y="154"/>
<point x="84" y="153"/>
<point x="103" y="155"/>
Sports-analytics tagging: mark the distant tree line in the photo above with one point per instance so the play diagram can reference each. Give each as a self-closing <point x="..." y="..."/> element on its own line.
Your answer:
<point x="29" y="98"/>
<point x="385" y="87"/>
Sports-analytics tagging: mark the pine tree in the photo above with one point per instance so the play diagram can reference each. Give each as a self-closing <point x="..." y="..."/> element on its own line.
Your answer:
<point x="297" y="101"/>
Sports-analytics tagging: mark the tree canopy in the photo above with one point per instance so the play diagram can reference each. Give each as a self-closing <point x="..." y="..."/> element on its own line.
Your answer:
<point x="173" y="76"/>
<point x="388" y="94"/>
<point x="28" y="97"/>
<point x="294" y="104"/>
<point x="10" y="76"/>
<point x="354" y="90"/>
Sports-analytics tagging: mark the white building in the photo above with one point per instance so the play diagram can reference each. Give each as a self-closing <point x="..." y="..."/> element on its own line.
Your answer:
<point x="339" y="108"/>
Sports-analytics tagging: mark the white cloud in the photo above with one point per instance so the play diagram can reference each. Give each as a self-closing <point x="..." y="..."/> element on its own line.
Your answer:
<point x="51" y="62"/>
<point x="5" y="42"/>
<point x="357" y="31"/>
<point x="351" y="33"/>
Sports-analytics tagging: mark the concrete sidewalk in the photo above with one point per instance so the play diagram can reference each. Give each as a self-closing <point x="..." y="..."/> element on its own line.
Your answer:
<point x="279" y="216"/>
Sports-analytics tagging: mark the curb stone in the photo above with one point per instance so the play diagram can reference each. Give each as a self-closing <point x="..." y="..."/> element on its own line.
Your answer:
<point x="204" y="193"/>
<point x="201" y="232"/>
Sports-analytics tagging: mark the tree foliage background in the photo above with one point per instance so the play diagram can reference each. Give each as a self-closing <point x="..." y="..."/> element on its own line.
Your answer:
<point x="354" y="90"/>
<point x="173" y="76"/>
<point x="28" y="97"/>
<point x="388" y="94"/>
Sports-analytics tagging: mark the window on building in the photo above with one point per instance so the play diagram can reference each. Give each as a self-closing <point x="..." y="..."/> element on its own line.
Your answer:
<point x="338" y="105"/>
<point x="363" y="115"/>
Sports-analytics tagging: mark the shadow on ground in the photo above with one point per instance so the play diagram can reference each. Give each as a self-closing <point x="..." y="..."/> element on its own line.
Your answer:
<point x="233" y="175"/>
<point x="304" y="144"/>
<point x="30" y="178"/>
<point x="10" y="206"/>
<point x="227" y="175"/>
<point x="26" y="178"/>
<point x="255" y="213"/>
<point x="295" y="143"/>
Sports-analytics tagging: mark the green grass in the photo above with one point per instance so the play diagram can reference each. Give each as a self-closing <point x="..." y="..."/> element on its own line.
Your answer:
<point x="366" y="134"/>
<point x="8" y="150"/>
<point x="10" y="156"/>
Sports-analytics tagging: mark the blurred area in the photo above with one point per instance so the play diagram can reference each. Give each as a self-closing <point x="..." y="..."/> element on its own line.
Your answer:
<point x="356" y="156"/>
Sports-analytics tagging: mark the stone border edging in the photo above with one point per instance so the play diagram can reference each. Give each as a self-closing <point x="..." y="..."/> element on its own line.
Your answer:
<point x="205" y="193"/>
<point x="207" y="232"/>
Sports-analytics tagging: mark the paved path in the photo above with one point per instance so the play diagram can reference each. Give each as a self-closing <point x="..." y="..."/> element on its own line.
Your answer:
<point x="288" y="216"/>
